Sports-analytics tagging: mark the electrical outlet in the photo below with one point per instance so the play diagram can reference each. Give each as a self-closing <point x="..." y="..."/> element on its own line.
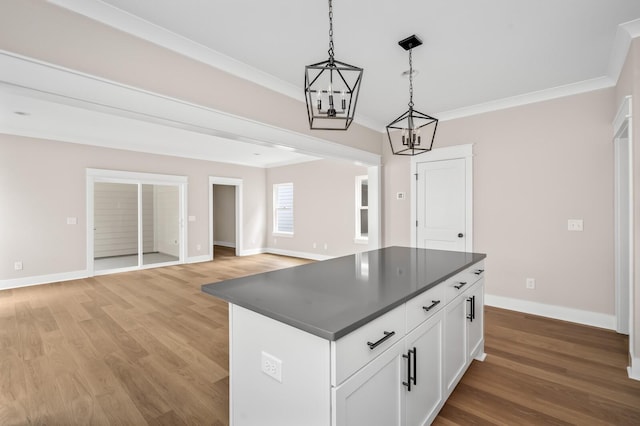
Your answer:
<point x="272" y="366"/>
<point x="17" y="265"/>
<point x="326" y="246"/>
<point x="315" y="245"/>
<point x="531" y="283"/>
<point x="198" y="247"/>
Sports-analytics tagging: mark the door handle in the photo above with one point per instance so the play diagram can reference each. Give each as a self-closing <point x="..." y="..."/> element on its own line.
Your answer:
<point x="460" y="235"/>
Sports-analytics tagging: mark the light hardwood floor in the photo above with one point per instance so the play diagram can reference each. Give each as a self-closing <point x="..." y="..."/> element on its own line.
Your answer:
<point x="149" y="347"/>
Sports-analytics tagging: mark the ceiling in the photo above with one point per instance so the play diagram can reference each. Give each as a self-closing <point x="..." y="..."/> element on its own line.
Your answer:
<point x="475" y="54"/>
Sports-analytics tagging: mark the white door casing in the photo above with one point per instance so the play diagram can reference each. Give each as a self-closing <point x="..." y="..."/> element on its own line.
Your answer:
<point x="624" y="226"/>
<point x="442" y="200"/>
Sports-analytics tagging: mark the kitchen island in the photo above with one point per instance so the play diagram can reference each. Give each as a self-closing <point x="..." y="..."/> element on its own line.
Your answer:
<point x="379" y="337"/>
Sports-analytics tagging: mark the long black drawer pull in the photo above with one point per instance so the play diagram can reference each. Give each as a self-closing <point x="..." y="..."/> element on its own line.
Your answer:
<point x="434" y="303"/>
<point x="478" y="271"/>
<point x="387" y="335"/>
<point x="461" y="284"/>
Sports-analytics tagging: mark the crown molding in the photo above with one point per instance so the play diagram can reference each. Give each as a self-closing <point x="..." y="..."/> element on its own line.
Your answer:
<point x="138" y="27"/>
<point x="529" y="98"/>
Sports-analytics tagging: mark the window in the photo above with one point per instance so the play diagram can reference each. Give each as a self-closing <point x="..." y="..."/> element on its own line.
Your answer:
<point x="362" y="208"/>
<point x="283" y="208"/>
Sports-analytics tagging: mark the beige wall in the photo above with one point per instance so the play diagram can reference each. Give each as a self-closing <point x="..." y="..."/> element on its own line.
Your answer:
<point x="42" y="183"/>
<point x="224" y="214"/>
<point x="535" y="166"/>
<point x="324" y="194"/>
<point x="33" y="28"/>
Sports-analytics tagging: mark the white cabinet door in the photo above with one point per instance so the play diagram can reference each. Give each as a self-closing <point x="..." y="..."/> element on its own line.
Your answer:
<point x="375" y="394"/>
<point x="455" y="342"/>
<point x="475" y="320"/>
<point x="425" y="395"/>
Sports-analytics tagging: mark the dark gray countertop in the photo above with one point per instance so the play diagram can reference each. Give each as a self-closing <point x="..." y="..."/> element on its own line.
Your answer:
<point x="334" y="297"/>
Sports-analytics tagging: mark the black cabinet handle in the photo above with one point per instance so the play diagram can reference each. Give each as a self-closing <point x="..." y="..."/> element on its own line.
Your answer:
<point x="478" y="271"/>
<point x="434" y="303"/>
<point x="472" y="308"/>
<point x="411" y="353"/>
<point x="460" y="235"/>
<point x="387" y="335"/>
<point x="460" y="285"/>
<point x="415" y="366"/>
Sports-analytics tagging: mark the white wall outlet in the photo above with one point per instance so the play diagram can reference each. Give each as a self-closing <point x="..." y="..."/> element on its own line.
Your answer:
<point x="575" y="225"/>
<point x="271" y="366"/>
<point x="198" y="247"/>
<point x="531" y="283"/>
<point x="315" y="245"/>
<point x="17" y="265"/>
<point x="326" y="246"/>
<point x="72" y="221"/>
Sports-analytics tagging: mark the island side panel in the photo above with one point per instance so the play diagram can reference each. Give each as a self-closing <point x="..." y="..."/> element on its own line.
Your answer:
<point x="302" y="397"/>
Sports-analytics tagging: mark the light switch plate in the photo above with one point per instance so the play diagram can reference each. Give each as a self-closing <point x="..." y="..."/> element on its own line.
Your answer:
<point x="72" y="221"/>
<point x="575" y="225"/>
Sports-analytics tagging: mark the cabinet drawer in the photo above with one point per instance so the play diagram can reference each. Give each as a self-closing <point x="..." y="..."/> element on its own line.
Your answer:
<point x="460" y="282"/>
<point x="353" y="351"/>
<point x="423" y="306"/>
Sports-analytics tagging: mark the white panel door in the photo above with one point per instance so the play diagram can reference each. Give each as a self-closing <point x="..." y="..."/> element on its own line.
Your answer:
<point x="441" y="205"/>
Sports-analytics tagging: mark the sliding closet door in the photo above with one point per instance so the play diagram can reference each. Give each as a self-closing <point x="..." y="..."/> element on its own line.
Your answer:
<point x="136" y="220"/>
<point x="160" y="223"/>
<point x="115" y="225"/>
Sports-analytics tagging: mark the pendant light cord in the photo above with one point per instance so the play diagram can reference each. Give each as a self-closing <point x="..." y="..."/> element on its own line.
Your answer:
<point x="410" y="78"/>
<point x="330" y="32"/>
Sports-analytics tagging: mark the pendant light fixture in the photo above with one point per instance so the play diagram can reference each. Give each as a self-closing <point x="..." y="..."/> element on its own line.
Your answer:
<point x="413" y="132"/>
<point x="331" y="90"/>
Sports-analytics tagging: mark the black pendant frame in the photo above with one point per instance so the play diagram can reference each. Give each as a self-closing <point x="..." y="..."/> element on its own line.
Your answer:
<point x="347" y="79"/>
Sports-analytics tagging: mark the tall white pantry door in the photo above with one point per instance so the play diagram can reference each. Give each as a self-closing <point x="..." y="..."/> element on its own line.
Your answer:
<point x="441" y="205"/>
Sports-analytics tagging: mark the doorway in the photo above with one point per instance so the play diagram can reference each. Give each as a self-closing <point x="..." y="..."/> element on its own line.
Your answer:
<point x="134" y="221"/>
<point x="225" y="216"/>
<point x="442" y="210"/>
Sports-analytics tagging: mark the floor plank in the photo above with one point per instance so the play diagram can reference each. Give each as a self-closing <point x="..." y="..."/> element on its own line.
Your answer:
<point x="148" y="347"/>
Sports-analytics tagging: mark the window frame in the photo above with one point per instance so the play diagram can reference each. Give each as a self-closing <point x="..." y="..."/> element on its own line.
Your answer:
<point x="276" y="208"/>
<point x="359" y="238"/>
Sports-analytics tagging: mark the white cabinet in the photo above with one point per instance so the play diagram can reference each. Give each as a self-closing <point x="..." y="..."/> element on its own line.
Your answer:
<point x="373" y="396"/>
<point x="423" y="399"/>
<point x="395" y="370"/>
<point x="455" y="342"/>
<point x="475" y="321"/>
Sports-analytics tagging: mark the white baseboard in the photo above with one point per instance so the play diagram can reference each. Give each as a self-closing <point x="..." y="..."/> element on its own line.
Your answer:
<point x="43" y="279"/>
<point x="302" y="254"/>
<point x="594" y="319"/>
<point x="634" y="369"/>
<point x="224" y="244"/>
<point x="251" y="252"/>
<point x="198" y="259"/>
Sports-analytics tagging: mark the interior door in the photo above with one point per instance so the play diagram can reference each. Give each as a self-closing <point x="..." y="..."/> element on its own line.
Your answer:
<point x="441" y="205"/>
